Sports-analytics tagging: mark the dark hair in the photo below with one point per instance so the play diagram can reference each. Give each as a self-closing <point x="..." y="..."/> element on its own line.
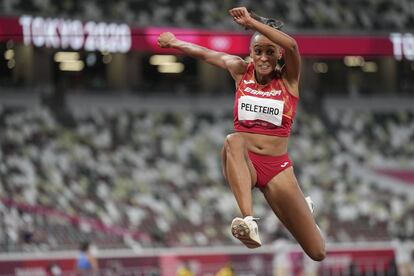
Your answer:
<point x="274" y="23"/>
<point x="84" y="246"/>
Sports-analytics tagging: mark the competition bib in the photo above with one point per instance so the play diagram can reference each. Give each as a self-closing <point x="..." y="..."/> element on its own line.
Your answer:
<point x="260" y="109"/>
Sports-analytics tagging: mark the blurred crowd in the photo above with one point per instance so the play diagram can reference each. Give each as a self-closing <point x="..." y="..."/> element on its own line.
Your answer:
<point x="320" y="15"/>
<point x="153" y="179"/>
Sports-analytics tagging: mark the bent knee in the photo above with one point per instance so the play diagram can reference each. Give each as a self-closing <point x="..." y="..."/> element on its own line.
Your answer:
<point x="317" y="254"/>
<point x="233" y="142"/>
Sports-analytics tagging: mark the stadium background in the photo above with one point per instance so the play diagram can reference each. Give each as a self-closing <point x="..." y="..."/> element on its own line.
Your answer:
<point x="105" y="137"/>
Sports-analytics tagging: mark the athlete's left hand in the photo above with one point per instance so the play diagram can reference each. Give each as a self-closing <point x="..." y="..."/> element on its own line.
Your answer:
<point x="241" y="16"/>
<point x="166" y="40"/>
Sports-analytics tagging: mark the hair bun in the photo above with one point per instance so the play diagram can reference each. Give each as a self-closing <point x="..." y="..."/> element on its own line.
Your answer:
<point x="274" y="23"/>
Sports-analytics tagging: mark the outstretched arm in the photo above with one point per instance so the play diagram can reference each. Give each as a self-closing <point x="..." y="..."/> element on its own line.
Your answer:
<point x="234" y="64"/>
<point x="292" y="56"/>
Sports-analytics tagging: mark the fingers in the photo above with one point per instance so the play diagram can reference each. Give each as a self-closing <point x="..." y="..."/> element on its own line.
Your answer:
<point x="164" y="39"/>
<point x="241" y="16"/>
<point x="160" y="40"/>
<point x="239" y="12"/>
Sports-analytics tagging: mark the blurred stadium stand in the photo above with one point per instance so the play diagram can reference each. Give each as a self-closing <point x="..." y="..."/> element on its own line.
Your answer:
<point x="157" y="173"/>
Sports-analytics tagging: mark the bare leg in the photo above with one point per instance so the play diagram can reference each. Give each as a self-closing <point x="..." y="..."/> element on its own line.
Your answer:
<point x="239" y="171"/>
<point x="288" y="202"/>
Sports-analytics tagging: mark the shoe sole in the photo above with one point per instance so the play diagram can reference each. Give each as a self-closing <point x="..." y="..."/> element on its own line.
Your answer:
<point x="241" y="231"/>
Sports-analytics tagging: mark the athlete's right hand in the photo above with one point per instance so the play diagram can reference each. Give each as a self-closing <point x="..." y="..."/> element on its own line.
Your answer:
<point x="166" y="40"/>
<point x="241" y="16"/>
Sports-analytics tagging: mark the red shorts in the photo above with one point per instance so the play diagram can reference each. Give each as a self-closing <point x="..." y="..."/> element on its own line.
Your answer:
<point x="268" y="166"/>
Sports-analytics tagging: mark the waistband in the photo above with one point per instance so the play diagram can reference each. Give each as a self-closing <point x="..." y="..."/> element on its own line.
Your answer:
<point x="268" y="157"/>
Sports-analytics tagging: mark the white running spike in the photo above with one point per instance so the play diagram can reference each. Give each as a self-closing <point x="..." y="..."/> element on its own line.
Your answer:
<point x="246" y="231"/>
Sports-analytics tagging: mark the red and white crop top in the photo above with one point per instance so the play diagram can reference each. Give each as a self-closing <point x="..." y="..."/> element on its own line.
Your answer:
<point x="264" y="109"/>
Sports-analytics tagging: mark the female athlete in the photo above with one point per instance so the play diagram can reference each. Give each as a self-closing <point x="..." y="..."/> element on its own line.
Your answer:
<point x="255" y="155"/>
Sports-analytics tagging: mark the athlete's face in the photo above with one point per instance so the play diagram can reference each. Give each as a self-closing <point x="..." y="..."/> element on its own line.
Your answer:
<point x="264" y="54"/>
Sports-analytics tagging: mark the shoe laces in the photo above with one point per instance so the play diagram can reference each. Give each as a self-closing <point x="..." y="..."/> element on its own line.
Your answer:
<point x="250" y="218"/>
<point x="251" y="222"/>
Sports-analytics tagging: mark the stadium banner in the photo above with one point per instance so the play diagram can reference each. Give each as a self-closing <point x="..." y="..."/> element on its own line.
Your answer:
<point x="73" y="34"/>
<point x="201" y="261"/>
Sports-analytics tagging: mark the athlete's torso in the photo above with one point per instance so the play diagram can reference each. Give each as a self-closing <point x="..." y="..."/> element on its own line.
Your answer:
<point x="263" y="109"/>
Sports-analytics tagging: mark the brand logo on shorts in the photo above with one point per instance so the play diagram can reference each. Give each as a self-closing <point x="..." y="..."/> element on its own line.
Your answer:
<point x="284" y="164"/>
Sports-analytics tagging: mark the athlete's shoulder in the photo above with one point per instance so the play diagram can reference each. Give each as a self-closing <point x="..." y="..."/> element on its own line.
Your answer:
<point x="236" y="62"/>
<point x="237" y="67"/>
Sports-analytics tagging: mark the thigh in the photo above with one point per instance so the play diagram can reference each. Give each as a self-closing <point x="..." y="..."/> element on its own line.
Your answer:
<point x="252" y="169"/>
<point x="223" y="163"/>
<point x="242" y="147"/>
<point x="288" y="202"/>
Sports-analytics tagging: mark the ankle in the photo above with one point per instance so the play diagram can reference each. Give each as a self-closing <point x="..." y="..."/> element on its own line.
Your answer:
<point x="250" y="218"/>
